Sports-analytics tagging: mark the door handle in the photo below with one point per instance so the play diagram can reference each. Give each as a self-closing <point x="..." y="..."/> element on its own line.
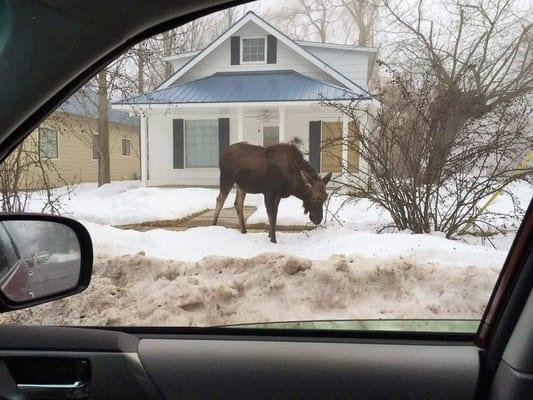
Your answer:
<point x="75" y="385"/>
<point x="76" y="390"/>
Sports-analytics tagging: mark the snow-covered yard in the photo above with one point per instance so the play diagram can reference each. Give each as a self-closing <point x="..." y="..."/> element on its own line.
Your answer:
<point x="353" y="231"/>
<point x="214" y="275"/>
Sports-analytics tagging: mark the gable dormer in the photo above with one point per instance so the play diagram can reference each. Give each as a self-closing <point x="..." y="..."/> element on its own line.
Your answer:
<point x="252" y="44"/>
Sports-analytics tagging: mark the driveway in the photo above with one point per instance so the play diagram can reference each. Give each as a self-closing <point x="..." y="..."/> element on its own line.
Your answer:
<point x="227" y="218"/>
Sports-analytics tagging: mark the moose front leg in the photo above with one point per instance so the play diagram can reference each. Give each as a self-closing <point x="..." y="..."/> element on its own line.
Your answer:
<point x="239" y="207"/>
<point x="272" y="203"/>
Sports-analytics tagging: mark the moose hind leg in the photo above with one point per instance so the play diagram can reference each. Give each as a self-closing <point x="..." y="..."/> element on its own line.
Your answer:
<point x="224" y="191"/>
<point x="239" y="207"/>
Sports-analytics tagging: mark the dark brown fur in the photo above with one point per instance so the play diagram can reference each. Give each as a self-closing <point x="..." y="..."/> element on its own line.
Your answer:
<point x="277" y="171"/>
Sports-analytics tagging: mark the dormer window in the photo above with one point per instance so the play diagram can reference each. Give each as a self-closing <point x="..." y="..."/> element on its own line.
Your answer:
<point x="253" y="50"/>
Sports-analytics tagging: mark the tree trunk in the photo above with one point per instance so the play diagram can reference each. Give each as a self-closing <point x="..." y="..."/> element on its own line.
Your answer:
<point x="104" y="174"/>
<point x="140" y="67"/>
<point x="167" y="47"/>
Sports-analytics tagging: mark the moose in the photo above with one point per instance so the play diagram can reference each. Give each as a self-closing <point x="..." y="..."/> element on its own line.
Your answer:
<point x="278" y="171"/>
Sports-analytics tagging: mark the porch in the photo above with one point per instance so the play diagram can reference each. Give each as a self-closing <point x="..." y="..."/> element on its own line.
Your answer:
<point x="181" y="144"/>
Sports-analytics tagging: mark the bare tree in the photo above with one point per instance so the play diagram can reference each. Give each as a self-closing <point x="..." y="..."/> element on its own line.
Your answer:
<point x="479" y="53"/>
<point x="141" y="60"/>
<point x="28" y="174"/>
<point x="364" y="14"/>
<point x="308" y="19"/>
<point x="232" y="14"/>
<point x="104" y="160"/>
<point x="397" y="143"/>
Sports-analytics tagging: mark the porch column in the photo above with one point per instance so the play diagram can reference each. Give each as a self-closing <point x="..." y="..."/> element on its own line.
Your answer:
<point x="240" y="125"/>
<point x="344" y="148"/>
<point x="282" y="137"/>
<point x="144" y="150"/>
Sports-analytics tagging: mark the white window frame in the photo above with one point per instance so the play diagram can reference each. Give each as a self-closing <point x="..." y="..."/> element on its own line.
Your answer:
<point x="243" y="38"/>
<point x="57" y="143"/>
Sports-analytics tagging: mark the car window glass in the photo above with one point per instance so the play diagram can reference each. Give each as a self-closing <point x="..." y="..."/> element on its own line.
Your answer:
<point x="293" y="165"/>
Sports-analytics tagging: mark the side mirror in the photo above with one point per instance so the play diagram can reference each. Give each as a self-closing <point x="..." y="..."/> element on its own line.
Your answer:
<point x="42" y="258"/>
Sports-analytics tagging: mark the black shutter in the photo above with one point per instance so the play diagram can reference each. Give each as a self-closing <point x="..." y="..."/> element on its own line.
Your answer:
<point x="272" y="49"/>
<point x="177" y="143"/>
<point x="235" y="50"/>
<point x="223" y="134"/>
<point x="314" y="144"/>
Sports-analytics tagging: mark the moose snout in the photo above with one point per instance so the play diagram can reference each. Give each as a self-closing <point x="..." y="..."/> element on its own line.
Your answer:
<point x="316" y="219"/>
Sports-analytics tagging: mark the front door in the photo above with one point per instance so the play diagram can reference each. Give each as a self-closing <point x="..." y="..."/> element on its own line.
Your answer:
<point x="270" y="135"/>
<point x="331" y="148"/>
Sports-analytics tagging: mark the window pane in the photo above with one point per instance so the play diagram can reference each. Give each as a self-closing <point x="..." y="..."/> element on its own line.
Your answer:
<point x="201" y="143"/>
<point x="126" y="149"/>
<point x="253" y="50"/>
<point x="48" y="142"/>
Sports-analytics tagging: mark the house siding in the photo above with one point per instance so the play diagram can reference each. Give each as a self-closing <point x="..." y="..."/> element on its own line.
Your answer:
<point x="352" y="64"/>
<point x="160" y="134"/>
<point x="75" y="163"/>
<point x="160" y="158"/>
<point x="219" y="60"/>
<point x="179" y="62"/>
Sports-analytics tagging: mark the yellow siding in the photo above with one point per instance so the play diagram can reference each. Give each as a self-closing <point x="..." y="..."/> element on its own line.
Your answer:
<point x="75" y="162"/>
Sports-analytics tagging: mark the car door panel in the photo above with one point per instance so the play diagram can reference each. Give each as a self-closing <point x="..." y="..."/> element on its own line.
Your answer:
<point x="206" y="369"/>
<point x="156" y="366"/>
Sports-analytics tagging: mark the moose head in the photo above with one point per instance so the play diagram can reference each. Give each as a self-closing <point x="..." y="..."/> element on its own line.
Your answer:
<point x="314" y="196"/>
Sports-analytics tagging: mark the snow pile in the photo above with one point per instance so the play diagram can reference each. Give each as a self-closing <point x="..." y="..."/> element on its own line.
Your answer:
<point x="137" y="290"/>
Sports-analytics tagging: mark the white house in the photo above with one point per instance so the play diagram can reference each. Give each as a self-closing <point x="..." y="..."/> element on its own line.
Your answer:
<point x="251" y="84"/>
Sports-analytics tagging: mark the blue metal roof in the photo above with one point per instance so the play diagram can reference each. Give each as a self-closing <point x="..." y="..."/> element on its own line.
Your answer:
<point x="241" y="87"/>
<point x="85" y="104"/>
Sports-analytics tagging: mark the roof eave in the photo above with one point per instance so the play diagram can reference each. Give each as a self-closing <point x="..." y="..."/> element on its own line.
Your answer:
<point x="129" y="106"/>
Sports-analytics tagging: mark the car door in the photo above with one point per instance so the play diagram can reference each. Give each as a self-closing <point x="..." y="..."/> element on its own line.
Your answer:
<point x="143" y="362"/>
<point x="154" y="363"/>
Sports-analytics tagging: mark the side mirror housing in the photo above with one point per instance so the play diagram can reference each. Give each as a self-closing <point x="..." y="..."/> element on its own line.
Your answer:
<point x="42" y="258"/>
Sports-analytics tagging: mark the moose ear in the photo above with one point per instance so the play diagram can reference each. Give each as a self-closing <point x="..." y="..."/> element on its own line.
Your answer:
<point x="327" y="178"/>
<point x="305" y="179"/>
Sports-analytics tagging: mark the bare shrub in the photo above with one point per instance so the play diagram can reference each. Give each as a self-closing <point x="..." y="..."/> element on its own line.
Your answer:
<point x="406" y="169"/>
<point x="27" y="174"/>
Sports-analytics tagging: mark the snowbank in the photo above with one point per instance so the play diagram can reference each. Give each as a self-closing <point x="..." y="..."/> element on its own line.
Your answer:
<point x="137" y="290"/>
